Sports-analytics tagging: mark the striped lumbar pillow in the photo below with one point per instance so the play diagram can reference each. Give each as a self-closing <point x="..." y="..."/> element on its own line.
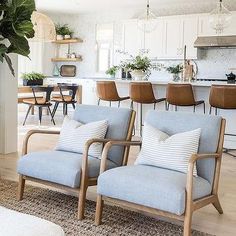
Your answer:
<point x="170" y="152"/>
<point x="74" y="135"/>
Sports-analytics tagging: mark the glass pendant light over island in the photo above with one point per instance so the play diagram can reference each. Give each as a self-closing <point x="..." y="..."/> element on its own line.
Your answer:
<point x="220" y="18"/>
<point x="146" y="21"/>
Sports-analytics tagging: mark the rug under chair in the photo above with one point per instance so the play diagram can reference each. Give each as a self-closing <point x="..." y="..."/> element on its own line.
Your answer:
<point x="62" y="209"/>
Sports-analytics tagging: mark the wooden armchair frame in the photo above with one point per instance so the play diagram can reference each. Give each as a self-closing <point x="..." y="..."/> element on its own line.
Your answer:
<point x="85" y="180"/>
<point x="191" y="205"/>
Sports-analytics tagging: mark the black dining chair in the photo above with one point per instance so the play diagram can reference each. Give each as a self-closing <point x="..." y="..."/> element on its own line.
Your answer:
<point x="65" y="99"/>
<point x="40" y="102"/>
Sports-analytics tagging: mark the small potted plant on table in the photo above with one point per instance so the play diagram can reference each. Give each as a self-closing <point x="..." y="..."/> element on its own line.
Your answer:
<point x="175" y="71"/>
<point x="32" y="79"/>
<point x="112" y="71"/>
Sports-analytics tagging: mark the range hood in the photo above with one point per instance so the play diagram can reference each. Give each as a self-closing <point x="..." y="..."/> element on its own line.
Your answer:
<point x="215" y="42"/>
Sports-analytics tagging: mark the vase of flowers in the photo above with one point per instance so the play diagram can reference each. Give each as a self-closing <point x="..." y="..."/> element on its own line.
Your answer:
<point x="175" y="71"/>
<point x="112" y="71"/>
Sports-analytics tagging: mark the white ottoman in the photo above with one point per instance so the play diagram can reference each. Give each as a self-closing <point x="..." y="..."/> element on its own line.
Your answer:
<point x="13" y="223"/>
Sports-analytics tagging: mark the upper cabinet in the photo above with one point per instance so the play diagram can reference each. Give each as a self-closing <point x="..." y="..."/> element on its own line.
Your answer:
<point x="154" y="41"/>
<point x="133" y="37"/>
<point x="170" y="36"/>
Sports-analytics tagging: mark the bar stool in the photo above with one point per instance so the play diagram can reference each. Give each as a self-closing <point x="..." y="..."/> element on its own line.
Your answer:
<point x="142" y="93"/>
<point x="182" y="95"/>
<point x="107" y="91"/>
<point x="223" y="97"/>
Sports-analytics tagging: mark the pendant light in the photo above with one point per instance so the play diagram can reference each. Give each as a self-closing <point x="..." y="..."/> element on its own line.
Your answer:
<point x="147" y="21"/>
<point x="44" y="28"/>
<point x="220" y="18"/>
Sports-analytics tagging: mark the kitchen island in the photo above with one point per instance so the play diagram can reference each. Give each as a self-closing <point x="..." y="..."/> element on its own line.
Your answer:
<point x="201" y="91"/>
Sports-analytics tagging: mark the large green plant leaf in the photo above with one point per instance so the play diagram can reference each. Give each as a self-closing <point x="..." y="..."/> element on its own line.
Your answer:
<point x="25" y="28"/>
<point x="18" y="45"/>
<point x="9" y="62"/>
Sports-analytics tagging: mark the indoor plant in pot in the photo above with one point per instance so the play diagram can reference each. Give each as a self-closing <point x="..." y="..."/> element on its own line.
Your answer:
<point x="63" y="32"/>
<point x="32" y="79"/>
<point x="175" y="71"/>
<point x="112" y="71"/>
<point x="15" y="28"/>
<point x="139" y="66"/>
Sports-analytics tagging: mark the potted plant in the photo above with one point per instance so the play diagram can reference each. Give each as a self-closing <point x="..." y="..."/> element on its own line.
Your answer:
<point x="32" y="79"/>
<point x="112" y="71"/>
<point x="15" y="28"/>
<point x="175" y="71"/>
<point x="63" y="32"/>
<point x="140" y="67"/>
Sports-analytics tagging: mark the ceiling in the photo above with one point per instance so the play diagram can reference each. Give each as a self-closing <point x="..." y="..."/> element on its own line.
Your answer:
<point x="161" y="7"/>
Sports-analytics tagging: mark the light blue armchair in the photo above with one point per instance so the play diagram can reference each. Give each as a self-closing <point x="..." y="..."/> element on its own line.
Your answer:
<point x="77" y="171"/>
<point x="162" y="191"/>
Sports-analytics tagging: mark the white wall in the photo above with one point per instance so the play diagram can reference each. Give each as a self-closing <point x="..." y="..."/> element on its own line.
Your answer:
<point x="213" y="63"/>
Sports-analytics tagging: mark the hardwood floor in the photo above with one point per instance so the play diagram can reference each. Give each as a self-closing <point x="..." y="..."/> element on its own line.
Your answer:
<point x="206" y="219"/>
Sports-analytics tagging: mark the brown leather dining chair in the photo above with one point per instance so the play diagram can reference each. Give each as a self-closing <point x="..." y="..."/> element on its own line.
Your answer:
<point x="65" y="99"/>
<point x="182" y="95"/>
<point x="107" y="91"/>
<point x="223" y="97"/>
<point x="40" y="102"/>
<point x="142" y="93"/>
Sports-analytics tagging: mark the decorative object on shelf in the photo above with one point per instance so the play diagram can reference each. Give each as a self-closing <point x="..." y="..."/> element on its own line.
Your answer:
<point x="72" y="57"/>
<point x="68" y="71"/>
<point x="112" y="71"/>
<point x="175" y="71"/>
<point x="32" y="78"/>
<point x="44" y="27"/>
<point x="147" y="21"/>
<point x="56" y="70"/>
<point x="63" y="32"/>
<point x="15" y="28"/>
<point x="220" y="18"/>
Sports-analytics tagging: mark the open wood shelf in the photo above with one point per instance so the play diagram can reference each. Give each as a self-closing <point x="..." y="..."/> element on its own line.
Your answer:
<point x="68" y="41"/>
<point x="66" y="59"/>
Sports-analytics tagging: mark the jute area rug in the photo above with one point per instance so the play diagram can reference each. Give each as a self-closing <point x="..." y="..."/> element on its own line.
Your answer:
<point x="61" y="209"/>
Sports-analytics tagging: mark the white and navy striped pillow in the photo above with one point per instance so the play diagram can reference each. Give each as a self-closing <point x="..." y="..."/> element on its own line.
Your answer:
<point x="170" y="152"/>
<point x="74" y="135"/>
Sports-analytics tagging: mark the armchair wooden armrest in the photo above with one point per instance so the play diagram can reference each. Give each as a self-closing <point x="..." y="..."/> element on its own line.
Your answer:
<point x="35" y="131"/>
<point x="115" y="143"/>
<point x="194" y="158"/>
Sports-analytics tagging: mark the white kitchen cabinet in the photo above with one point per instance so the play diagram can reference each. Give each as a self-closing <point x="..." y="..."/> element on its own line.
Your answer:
<point x="190" y="33"/>
<point x="89" y="94"/>
<point x="154" y="41"/>
<point x="133" y="38"/>
<point x="173" y="37"/>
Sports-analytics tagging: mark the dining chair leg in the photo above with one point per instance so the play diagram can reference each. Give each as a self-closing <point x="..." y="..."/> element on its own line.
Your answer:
<point x="204" y="108"/>
<point x="99" y="209"/>
<point x="40" y="115"/>
<point x="66" y="109"/>
<point x="216" y="111"/>
<point x="154" y="106"/>
<point x="110" y="103"/>
<point x="99" y="100"/>
<point x="27" y="114"/>
<point x="176" y="108"/>
<point x="50" y="112"/>
<point x="194" y="108"/>
<point x="168" y="106"/>
<point x="55" y="109"/>
<point x="118" y="103"/>
<point x="73" y="105"/>
<point x="132" y="105"/>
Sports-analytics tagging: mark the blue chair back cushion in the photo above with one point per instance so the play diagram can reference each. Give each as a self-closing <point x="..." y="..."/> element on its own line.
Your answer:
<point x="177" y="122"/>
<point x="118" y="120"/>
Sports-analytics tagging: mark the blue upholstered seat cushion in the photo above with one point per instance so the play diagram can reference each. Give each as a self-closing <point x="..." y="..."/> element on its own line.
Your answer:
<point x="150" y="186"/>
<point x="58" y="167"/>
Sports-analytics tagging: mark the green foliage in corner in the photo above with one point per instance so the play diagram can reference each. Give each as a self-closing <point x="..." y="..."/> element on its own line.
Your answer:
<point x="15" y="28"/>
<point x="32" y="76"/>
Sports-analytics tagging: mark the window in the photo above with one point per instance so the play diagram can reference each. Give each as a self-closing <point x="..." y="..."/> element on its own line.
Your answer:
<point x="104" y="43"/>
